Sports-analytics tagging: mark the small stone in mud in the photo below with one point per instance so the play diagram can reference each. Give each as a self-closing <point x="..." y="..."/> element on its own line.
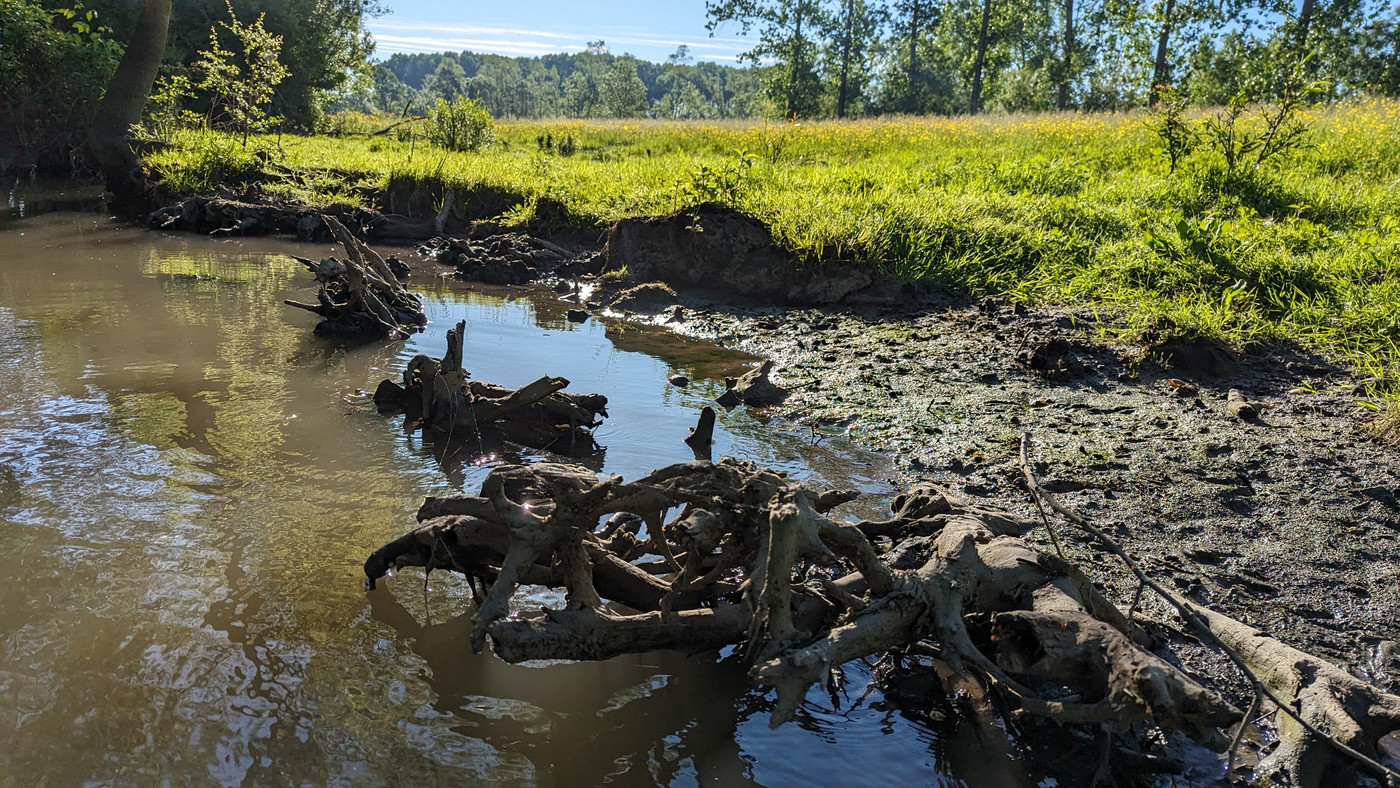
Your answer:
<point x="1239" y="407"/>
<point x="680" y="381"/>
<point x="576" y="315"/>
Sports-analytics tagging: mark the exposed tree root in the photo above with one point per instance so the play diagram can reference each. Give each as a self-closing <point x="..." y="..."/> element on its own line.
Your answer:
<point x="438" y="395"/>
<point x="360" y="297"/>
<point x="751" y="559"/>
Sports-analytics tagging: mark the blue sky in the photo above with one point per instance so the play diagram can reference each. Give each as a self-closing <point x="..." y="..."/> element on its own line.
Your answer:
<point x="649" y="30"/>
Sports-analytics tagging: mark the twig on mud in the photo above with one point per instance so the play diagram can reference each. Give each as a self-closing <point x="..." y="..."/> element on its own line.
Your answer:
<point x="1190" y="617"/>
<point x="1245" y="722"/>
<point x="1035" y="489"/>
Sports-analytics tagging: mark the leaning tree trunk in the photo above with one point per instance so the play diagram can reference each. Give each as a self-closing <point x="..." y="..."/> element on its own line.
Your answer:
<point x="121" y="108"/>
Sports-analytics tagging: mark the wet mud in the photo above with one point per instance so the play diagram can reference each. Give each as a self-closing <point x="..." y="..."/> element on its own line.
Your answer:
<point x="1288" y="521"/>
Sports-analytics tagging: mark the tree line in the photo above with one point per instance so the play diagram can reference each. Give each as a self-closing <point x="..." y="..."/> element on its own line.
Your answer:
<point x="851" y="58"/>
<point x="593" y="83"/>
<point x="856" y="57"/>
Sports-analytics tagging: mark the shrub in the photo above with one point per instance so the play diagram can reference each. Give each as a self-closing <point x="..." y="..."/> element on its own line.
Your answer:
<point x="462" y="124"/>
<point x="52" y="72"/>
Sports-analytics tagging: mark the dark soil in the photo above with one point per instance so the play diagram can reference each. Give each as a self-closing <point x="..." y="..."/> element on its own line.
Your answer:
<point x="1289" y="522"/>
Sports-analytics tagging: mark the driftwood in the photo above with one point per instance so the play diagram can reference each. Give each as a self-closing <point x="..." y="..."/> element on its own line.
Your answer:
<point x="752" y="559"/>
<point x="360" y="296"/>
<point x="438" y="395"/>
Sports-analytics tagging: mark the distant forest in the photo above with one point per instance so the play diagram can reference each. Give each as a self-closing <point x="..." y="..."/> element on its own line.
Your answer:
<point x="824" y="58"/>
<point x="589" y="84"/>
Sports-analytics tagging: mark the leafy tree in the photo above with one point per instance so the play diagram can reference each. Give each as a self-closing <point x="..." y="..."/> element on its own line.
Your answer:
<point x="912" y="79"/>
<point x="622" y="92"/>
<point x="853" y="34"/>
<point x="325" y="45"/>
<point x="786" y="34"/>
<point x="448" y="80"/>
<point x="52" y="73"/>
<point x="241" y="83"/>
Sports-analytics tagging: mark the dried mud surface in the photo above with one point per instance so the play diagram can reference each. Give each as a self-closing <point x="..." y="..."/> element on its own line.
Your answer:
<point x="1289" y="522"/>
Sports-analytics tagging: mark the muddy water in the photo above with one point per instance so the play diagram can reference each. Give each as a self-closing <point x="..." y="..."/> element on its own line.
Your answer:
<point x="189" y="483"/>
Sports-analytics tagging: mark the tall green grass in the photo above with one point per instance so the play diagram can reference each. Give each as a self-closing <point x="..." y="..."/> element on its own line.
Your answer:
<point x="1049" y="209"/>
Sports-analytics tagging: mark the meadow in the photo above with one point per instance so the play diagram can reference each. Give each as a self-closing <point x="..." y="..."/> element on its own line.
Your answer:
<point x="1051" y="209"/>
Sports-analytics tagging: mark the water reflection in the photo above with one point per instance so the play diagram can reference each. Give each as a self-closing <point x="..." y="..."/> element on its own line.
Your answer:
<point x="189" y="483"/>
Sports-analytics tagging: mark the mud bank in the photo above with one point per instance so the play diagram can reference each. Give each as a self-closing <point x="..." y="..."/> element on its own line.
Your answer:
<point x="1290" y="521"/>
<point x="707" y="248"/>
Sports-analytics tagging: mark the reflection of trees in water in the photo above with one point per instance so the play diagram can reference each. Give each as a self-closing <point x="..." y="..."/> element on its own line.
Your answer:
<point x="645" y="718"/>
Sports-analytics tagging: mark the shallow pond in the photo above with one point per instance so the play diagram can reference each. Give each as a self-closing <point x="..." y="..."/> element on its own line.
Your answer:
<point x="189" y="483"/>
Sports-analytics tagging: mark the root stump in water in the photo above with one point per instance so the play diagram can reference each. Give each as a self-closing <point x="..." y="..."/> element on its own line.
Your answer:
<point x="360" y="296"/>
<point x="438" y="395"/>
<point x="732" y="563"/>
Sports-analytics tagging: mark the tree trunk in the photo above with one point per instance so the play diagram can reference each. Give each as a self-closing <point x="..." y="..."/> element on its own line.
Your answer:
<point x="841" y="94"/>
<point x="914" y="21"/>
<point x="1159" y="70"/>
<point x="976" y="103"/>
<point x="793" y="66"/>
<point x="1062" y="101"/>
<point x="1304" y="20"/>
<point x="122" y="105"/>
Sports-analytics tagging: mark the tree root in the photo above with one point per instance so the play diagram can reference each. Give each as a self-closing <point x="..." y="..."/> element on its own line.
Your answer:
<point x="1330" y="722"/>
<point x="437" y="395"/>
<point x="360" y="297"/>
<point x="752" y="560"/>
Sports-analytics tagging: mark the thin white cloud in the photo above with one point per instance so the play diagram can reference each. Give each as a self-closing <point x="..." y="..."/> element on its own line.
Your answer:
<point x="437" y="37"/>
<point x="433" y="44"/>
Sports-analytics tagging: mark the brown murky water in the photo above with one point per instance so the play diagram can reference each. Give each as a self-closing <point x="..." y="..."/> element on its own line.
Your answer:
<point x="189" y="483"/>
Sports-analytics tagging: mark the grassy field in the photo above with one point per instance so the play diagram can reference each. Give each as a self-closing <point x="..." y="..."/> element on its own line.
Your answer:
<point x="1048" y="209"/>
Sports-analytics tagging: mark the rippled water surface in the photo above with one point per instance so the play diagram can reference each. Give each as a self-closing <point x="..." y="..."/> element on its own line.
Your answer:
<point x="189" y="483"/>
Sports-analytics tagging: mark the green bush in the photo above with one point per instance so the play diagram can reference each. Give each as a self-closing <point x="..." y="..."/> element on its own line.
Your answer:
<point x="463" y="124"/>
<point x="53" y="68"/>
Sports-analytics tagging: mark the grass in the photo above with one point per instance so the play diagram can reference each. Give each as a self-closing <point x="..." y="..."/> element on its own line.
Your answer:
<point x="1048" y="209"/>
